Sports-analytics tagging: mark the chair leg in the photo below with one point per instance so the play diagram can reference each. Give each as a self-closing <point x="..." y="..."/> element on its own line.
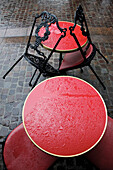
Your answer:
<point x="81" y="70"/>
<point x="97" y="76"/>
<point x="32" y="77"/>
<point x="102" y="55"/>
<point x="63" y="72"/>
<point x="36" y="80"/>
<point x="60" y="59"/>
<point x="13" y="66"/>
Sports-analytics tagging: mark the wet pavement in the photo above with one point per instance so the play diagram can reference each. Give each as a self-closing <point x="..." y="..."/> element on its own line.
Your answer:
<point x="16" y="18"/>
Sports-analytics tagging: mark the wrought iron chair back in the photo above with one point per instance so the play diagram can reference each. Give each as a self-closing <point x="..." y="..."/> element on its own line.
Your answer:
<point x="86" y="54"/>
<point x="40" y="62"/>
<point x="81" y="20"/>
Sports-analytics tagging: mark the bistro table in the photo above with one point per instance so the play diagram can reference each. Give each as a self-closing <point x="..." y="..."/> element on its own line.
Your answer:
<point x="67" y="44"/>
<point x="64" y="116"/>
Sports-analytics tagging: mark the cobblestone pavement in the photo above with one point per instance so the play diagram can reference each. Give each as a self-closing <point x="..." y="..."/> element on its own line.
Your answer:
<point x="16" y="17"/>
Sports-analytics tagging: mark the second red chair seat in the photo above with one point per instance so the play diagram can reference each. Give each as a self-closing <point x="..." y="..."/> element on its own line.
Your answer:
<point x="21" y="154"/>
<point x="75" y="58"/>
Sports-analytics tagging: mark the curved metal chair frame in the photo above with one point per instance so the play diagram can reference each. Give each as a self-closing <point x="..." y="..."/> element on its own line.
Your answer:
<point x="40" y="62"/>
<point x="80" y="17"/>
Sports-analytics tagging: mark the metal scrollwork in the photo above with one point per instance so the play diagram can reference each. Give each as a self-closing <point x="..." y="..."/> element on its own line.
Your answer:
<point x="46" y="20"/>
<point x="79" y="16"/>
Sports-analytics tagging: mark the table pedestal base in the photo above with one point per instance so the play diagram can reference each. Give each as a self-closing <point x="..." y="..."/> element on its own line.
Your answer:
<point x="102" y="154"/>
<point x="20" y="153"/>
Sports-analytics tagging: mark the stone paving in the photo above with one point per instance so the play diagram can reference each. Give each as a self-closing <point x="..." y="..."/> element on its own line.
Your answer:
<point x="16" y="18"/>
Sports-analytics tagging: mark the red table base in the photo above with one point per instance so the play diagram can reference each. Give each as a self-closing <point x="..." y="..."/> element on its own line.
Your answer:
<point x="64" y="116"/>
<point x="21" y="154"/>
<point x="75" y="58"/>
<point x="102" y="154"/>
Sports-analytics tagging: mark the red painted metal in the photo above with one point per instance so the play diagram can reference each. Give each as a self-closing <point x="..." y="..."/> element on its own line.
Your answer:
<point x="64" y="116"/>
<point x="102" y="154"/>
<point x="21" y="154"/>
<point x="67" y="43"/>
<point x="74" y="58"/>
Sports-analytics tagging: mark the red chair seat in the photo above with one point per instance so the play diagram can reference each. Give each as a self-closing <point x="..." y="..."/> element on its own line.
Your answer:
<point x="102" y="154"/>
<point x="21" y="154"/>
<point x="75" y="58"/>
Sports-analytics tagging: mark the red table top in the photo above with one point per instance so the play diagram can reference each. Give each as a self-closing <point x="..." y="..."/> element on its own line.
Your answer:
<point x="67" y="43"/>
<point x="64" y="116"/>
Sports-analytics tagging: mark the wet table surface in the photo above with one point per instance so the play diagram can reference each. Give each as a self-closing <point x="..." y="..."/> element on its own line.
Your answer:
<point x="64" y="116"/>
<point x="67" y="44"/>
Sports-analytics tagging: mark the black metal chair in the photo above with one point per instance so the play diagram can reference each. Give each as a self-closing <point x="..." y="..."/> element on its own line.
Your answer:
<point x="40" y="61"/>
<point x="85" y="55"/>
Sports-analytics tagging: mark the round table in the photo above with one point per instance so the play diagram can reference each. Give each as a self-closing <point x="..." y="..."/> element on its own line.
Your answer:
<point x="64" y="116"/>
<point x="67" y="44"/>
